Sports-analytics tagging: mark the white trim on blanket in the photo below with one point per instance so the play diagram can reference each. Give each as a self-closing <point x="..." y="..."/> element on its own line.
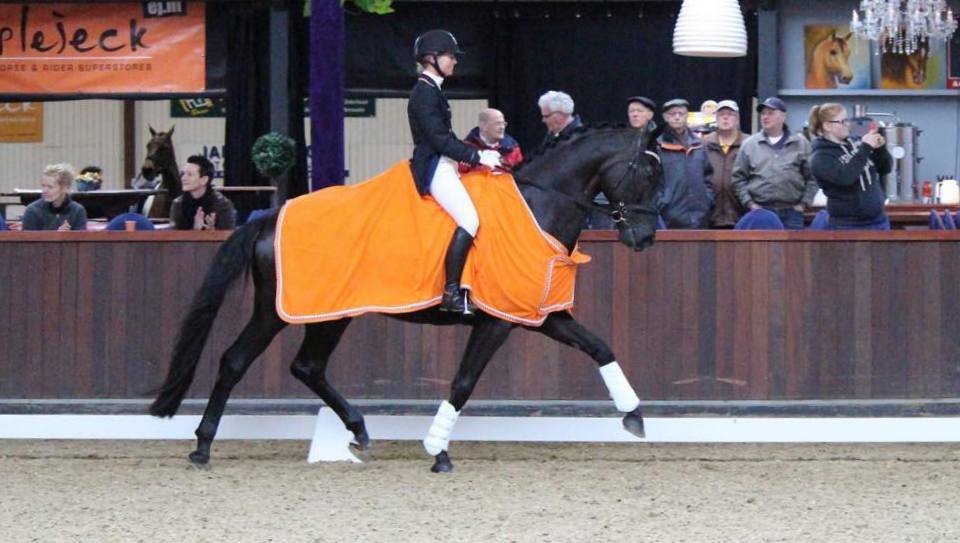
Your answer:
<point x="561" y="257"/>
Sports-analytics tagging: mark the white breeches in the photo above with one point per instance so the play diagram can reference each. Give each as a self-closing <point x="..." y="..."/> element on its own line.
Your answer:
<point x="447" y="189"/>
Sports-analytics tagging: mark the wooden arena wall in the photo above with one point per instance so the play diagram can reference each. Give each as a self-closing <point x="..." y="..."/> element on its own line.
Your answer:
<point x="701" y="316"/>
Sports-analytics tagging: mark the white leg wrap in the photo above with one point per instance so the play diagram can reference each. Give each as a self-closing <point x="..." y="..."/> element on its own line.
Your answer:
<point x="438" y="437"/>
<point x="621" y="392"/>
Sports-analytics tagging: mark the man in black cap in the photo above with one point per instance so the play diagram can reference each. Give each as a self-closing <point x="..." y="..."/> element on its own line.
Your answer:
<point x="686" y="195"/>
<point x="771" y="170"/>
<point x="640" y="112"/>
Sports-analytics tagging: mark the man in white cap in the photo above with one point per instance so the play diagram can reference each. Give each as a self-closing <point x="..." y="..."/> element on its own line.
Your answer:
<point x="722" y="147"/>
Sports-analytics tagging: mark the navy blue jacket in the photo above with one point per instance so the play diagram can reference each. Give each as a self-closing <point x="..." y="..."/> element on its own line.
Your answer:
<point x="849" y="175"/>
<point x="433" y="137"/>
<point x="686" y="196"/>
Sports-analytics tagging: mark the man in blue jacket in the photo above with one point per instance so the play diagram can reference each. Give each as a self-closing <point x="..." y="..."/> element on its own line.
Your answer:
<point x="687" y="193"/>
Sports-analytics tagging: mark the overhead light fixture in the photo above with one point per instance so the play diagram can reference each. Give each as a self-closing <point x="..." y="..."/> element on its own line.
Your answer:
<point x="710" y="28"/>
<point x="901" y="26"/>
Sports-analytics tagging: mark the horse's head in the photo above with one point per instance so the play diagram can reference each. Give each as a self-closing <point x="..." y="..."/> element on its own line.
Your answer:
<point x="630" y="179"/>
<point x="834" y="53"/>
<point x="917" y="63"/>
<point x="160" y="154"/>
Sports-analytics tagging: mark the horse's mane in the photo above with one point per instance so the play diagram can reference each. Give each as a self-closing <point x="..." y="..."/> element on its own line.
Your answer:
<point x="580" y="130"/>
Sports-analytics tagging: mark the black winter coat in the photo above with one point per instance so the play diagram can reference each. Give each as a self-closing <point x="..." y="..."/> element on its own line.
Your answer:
<point x="433" y="137"/>
<point x="849" y="175"/>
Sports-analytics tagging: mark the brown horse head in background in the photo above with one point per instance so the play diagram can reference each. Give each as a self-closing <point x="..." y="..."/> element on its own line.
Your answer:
<point x="161" y="160"/>
<point x="899" y="71"/>
<point x="829" y="63"/>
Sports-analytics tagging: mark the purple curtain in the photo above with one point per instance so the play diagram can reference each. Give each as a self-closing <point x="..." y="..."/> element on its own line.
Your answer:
<point x="327" y="43"/>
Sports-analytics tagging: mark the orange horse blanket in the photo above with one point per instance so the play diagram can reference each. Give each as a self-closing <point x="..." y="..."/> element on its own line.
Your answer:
<point x="379" y="247"/>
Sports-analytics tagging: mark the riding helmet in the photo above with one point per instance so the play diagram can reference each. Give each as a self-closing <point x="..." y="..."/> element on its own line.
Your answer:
<point x="435" y="42"/>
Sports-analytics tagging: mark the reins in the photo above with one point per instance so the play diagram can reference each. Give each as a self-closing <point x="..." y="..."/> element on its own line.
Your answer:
<point x="619" y="211"/>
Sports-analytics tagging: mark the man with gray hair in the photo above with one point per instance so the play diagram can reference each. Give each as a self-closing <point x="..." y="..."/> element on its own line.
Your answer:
<point x="491" y="134"/>
<point x="556" y="111"/>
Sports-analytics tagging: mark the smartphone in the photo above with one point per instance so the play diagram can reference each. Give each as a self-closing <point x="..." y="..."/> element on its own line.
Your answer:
<point x="861" y="126"/>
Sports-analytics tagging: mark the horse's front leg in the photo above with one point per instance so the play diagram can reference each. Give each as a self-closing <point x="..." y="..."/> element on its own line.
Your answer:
<point x="488" y="335"/>
<point x="565" y="329"/>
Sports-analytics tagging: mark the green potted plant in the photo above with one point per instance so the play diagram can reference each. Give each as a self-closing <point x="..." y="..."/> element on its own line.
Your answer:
<point x="273" y="154"/>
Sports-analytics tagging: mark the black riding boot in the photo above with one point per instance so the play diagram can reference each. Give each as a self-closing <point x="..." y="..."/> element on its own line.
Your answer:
<point x="454" y="299"/>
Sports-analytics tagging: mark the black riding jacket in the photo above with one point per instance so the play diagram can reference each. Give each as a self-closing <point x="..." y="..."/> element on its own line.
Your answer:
<point x="433" y="136"/>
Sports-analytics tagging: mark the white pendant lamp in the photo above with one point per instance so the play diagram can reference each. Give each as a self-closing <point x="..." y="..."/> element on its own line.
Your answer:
<point x="710" y="28"/>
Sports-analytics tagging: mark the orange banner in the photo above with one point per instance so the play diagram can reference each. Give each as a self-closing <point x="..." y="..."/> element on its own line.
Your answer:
<point x="21" y="122"/>
<point x="102" y="48"/>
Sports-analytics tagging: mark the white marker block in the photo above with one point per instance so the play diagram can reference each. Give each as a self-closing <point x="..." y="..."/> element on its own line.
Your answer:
<point x="331" y="440"/>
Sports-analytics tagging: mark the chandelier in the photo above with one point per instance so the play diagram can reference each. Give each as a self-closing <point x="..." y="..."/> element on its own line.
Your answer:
<point x="900" y="26"/>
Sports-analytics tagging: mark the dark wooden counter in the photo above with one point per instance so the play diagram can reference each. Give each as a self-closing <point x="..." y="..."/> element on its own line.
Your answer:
<point x="702" y="315"/>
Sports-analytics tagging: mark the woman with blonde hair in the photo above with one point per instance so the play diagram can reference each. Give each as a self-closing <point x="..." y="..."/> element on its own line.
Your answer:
<point x="849" y="170"/>
<point x="55" y="210"/>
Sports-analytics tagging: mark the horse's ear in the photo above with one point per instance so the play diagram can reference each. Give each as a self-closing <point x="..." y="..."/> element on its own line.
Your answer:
<point x="833" y="34"/>
<point x="152" y="131"/>
<point x="847" y="37"/>
<point x="170" y="132"/>
<point x="650" y="136"/>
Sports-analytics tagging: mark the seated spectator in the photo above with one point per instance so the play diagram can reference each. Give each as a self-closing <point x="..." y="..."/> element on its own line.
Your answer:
<point x="55" y="210"/>
<point x="849" y="171"/>
<point x="90" y="178"/>
<point x="640" y="112"/>
<point x="491" y="133"/>
<point x="200" y="207"/>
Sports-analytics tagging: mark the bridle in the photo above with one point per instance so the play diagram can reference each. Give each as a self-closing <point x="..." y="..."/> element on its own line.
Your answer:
<point x="619" y="211"/>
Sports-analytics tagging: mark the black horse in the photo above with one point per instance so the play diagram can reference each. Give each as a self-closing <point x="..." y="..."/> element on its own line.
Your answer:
<point x="162" y="161"/>
<point x="558" y="185"/>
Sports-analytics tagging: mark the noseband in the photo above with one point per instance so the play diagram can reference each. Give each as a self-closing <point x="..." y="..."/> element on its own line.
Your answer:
<point x="620" y="211"/>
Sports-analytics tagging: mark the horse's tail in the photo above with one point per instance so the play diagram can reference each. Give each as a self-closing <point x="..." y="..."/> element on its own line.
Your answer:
<point x="231" y="260"/>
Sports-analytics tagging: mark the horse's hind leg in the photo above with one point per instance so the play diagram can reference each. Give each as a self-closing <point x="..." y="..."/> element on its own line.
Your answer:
<point x="565" y="329"/>
<point x="488" y="335"/>
<point x="310" y="366"/>
<point x="254" y="339"/>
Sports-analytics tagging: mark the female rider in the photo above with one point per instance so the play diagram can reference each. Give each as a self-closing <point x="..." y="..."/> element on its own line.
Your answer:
<point x="436" y="152"/>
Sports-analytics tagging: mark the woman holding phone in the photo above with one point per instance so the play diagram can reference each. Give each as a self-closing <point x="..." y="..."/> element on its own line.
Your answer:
<point x="849" y="171"/>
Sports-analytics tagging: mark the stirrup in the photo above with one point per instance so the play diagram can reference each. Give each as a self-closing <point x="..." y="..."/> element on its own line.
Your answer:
<point x="456" y="300"/>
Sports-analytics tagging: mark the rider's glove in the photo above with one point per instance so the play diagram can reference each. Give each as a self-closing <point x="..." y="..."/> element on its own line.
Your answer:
<point x="490" y="159"/>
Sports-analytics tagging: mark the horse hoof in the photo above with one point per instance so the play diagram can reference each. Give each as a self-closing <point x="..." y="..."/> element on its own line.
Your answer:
<point x="199" y="459"/>
<point x="361" y="441"/>
<point x="633" y="423"/>
<point x="442" y="463"/>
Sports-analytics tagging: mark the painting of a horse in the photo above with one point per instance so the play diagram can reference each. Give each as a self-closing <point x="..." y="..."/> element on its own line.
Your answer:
<point x="558" y="187"/>
<point x="900" y="71"/>
<point x="828" y="62"/>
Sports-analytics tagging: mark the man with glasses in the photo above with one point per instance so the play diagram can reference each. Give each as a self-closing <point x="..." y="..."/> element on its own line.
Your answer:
<point x="491" y="134"/>
<point x="771" y="171"/>
<point x="687" y="194"/>
<point x="556" y="111"/>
